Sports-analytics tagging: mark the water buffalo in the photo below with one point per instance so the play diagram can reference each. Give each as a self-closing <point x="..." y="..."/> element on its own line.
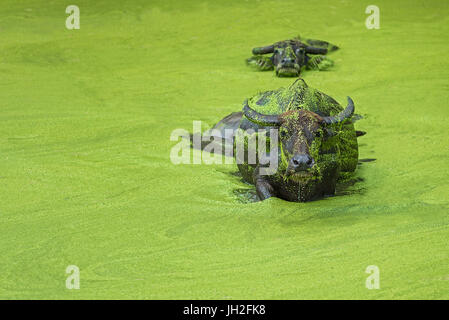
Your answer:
<point x="303" y="172"/>
<point x="290" y="56"/>
<point x="315" y="142"/>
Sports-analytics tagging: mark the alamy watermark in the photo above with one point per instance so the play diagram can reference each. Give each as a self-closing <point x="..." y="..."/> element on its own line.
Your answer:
<point x="73" y="280"/>
<point x="373" y="280"/>
<point x="73" y="20"/>
<point x="373" y="20"/>
<point x="209" y="147"/>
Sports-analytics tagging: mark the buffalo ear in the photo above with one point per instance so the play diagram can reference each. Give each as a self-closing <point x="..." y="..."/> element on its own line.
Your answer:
<point x="262" y="63"/>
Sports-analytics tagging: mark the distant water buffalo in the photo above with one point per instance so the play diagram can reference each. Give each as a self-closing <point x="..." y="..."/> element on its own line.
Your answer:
<point x="289" y="57"/>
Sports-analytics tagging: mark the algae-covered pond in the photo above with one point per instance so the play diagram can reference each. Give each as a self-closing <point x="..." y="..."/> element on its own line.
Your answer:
<point x="86" y="178"/>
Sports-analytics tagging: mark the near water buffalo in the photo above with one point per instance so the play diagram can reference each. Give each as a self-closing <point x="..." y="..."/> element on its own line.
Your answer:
<point x="316" y="143"/>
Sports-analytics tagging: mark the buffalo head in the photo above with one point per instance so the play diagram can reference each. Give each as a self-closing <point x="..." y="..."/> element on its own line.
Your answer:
<point x="288" y="56"/>
<point x="298" y="129"/>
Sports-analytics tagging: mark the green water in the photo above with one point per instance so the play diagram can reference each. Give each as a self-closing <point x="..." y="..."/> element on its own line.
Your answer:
<point x="86" y="178"/>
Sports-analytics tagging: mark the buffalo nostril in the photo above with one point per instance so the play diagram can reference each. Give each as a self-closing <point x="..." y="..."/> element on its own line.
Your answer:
<point x="301" y="162"/>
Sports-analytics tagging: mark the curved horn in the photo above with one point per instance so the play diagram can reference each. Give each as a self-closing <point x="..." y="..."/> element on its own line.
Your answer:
<point x="342" y="116"/>
<point x="315" y="50"/>
<point x="262" y="119"/>
<point x="263" y="50"/>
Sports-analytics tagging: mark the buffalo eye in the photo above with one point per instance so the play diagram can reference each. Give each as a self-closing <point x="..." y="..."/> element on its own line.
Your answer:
<point x="283" y="133"/>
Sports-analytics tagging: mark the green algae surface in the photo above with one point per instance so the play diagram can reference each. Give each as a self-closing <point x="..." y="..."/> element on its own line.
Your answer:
<point x="86" y="178"/>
